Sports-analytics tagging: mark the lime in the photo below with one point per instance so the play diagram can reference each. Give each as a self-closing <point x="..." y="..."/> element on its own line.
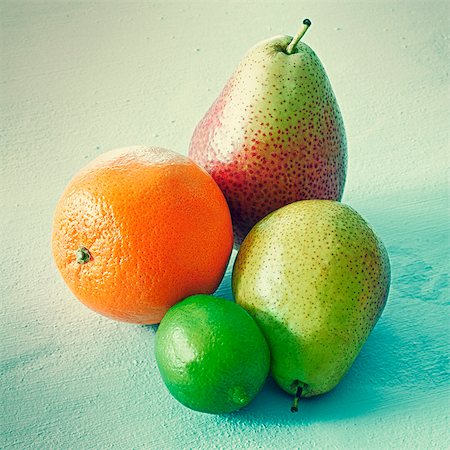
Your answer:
<point x="211" y="354"/>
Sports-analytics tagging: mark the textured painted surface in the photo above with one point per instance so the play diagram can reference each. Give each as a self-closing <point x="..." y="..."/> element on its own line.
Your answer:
<point x="79" y="79"/>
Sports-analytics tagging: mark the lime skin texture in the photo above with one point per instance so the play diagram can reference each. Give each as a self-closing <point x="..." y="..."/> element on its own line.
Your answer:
<point x="211" y="354"/>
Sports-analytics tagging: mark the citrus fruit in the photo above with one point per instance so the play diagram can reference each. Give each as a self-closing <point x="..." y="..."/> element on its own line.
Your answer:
<point x="212" y="356"/>
<point x="139" y="229"/>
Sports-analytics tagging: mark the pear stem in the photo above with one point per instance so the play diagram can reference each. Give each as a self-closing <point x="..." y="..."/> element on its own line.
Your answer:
<point x="298" y="394"/>
<point x="306" y="24"/>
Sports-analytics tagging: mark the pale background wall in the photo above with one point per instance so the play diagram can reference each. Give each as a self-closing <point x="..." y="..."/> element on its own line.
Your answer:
<point x="78" y="79"/>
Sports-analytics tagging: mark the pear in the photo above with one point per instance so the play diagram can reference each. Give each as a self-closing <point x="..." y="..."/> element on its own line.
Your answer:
<point x="315" y="277"/>
<point x="275" y="134"/>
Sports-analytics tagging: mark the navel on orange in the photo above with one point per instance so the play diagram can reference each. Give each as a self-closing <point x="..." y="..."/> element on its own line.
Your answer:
<point x="138" y="230"/>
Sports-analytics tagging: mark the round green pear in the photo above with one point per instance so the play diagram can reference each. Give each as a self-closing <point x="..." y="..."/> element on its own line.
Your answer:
<point x="315" y="277"/>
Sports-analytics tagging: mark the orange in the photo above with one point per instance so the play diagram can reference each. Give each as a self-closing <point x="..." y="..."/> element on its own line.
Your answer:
<point x="140" y="229"/>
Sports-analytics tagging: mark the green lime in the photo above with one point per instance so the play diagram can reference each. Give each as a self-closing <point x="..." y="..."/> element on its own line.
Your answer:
<point x="211" y="354"/>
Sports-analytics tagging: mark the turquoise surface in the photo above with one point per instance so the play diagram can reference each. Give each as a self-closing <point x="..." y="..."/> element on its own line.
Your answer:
<point x="78" y="79"/>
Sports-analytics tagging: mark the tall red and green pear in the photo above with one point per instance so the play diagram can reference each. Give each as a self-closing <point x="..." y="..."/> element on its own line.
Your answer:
<point x="275" y="134"/>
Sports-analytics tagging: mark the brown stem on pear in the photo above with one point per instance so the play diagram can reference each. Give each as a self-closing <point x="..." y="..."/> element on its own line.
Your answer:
<point x="306" y="24"/>
<point x="298" y="394"/>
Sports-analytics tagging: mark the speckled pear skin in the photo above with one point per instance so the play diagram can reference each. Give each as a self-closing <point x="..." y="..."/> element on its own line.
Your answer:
<point x="274" y="135"/>
<point x="315" y="277"/>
